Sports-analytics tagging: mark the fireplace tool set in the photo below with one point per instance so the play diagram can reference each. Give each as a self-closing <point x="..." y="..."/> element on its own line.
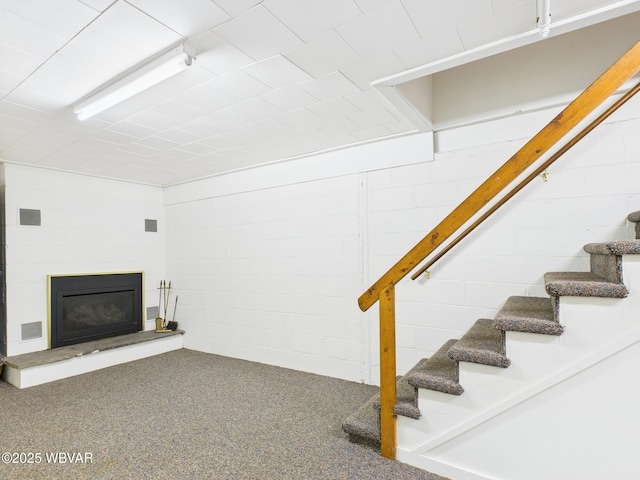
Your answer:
<point x="162" y="323"/>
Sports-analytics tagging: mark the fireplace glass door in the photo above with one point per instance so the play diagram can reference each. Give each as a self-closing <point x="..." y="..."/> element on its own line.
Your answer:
<point x="90" y="307"/>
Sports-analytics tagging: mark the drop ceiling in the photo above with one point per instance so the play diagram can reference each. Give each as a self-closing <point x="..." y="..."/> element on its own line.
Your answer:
<point x="272" y="79"/>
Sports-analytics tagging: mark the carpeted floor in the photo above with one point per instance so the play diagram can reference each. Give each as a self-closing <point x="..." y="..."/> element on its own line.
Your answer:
<point x="192" y="415"/>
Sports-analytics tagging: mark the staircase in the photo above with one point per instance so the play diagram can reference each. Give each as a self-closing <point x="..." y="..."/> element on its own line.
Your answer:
<point x="531" y="345"/>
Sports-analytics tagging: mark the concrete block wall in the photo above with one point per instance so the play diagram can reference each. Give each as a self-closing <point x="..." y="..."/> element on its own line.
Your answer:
<point x="88" y="225"/>
<point x="270" y="275"/>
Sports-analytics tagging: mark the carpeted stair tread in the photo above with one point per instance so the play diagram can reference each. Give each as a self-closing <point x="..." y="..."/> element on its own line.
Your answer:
<point x="406" y="400"/>
<point x="483" y="343"/>
<point x="439" y="372"/>
<point x="635" y="218"/>
<point x="618" y="247"/>
<point x="528" y="314"/>
<point x="582" y="284"/>
<point x="363" y="426"/>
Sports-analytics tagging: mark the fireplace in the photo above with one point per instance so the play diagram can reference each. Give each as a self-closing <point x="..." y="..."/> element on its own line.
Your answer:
<point x="89" y="307"/>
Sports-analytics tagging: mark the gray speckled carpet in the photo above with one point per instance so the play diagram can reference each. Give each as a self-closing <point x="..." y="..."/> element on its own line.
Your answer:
<point x="187" y="414"/>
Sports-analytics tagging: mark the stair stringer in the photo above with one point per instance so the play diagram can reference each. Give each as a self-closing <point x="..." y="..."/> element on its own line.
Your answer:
<point x="595" y="329"/>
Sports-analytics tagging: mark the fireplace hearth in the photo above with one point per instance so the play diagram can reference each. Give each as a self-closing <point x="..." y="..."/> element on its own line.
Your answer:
<point x="89" y="307"/>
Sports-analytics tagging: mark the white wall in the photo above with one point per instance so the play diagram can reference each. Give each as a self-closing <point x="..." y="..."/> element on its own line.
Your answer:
<point x="268" y="263"/>
<point x="88" y="225"/>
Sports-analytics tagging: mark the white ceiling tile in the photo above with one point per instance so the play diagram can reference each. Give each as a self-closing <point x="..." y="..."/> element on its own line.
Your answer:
<point x="500" y="4"/>
<point x="205" y="97"/>
<point x="63" y="160"/>
<point x="218" y="142"/>
<point x="99" y="165"/>
<point x="276" y="72"/>
<point x="341" y="140"/>
<point x="310" y="18"/>
<point x="179" y="136"/>
<point x="22" y="95"/>
<point x="289" y="98"/>
<point x="216" y="54"/>
<point x="324" y="54"/>
<point x="64" y="17"/>
<point x="57" y="79"/>
<point x="133" y="29"/>
<point x="27" y="36"/>
<point x="428" y="15"/>
<point x="114" y="137"/>
<point x="256" y="109"/>
<point x="195" y="148"/>
<point x="157" y="142"/>
<point x="154" y="120"/>
<point x="9" y="137"/>
<point x="369" y="99"/>
<point x="336" y="107"/>
<point x="137" y="149"/>
<point x="236" y="7"/>
<point x="372" y="69"/>
<point x="238" y="85"/>
<point x="370" y="133"/>
<point x="330" y="86"/>
<point x="401" y="126"/>
<point x="98" y="5"/>
<point x="15" y="114"/>
<point x="221" y="121"/>
<point x="187" y="17"/>
<point x="256" y="131"/>
<point x="300" y="118"/>
<point x="127" y="127"/>
<point x="337" y="126"/>
<point x="45" y="141"/>
<point x="368" y="5"/>
<point x="569" y="8"/>
<point x="441" y="43"/>
<point x="178" y="110"/>
<point x="501" y="24"/>
<point x="249" y="30"/>
<point x="379" y="30"/>
<point x="372" y="117"/>
<point x="16" y="64"/>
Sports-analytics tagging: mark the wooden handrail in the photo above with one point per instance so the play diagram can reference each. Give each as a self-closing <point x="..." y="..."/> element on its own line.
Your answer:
<point x="384" y="288"/>
<point x="601" y="89"/>
<point x="583" y="133"/>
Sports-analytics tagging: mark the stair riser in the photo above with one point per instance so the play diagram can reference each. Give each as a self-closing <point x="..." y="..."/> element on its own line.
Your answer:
<point x="607" y="266"/>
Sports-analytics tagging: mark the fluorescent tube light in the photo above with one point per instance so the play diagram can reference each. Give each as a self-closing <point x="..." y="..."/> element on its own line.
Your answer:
<point x="148" y="75"/>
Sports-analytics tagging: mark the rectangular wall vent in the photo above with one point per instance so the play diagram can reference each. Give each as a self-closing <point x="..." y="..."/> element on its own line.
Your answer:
<point x="150" y="225"/>
<point x="32" y="330"/>
<point x="30" y="217"/>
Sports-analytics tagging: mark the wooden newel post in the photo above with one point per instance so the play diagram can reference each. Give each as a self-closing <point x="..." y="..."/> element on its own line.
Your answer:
<point x="388" y="372"/>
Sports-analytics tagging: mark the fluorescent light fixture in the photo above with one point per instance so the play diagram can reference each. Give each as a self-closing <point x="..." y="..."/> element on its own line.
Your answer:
<point x="544" y="18"/>
<point x="150" y="74"/>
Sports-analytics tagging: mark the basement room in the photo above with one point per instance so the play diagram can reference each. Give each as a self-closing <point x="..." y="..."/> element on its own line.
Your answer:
<point x="319" y="239"/>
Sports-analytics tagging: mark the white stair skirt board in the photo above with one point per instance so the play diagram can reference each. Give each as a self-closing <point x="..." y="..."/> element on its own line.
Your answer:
<point x="40" y="374"/>
<point x="535" y="361"/>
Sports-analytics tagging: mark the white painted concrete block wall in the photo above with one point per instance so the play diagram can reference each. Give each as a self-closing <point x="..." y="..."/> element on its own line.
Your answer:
<point x="88" y="225"/>
<point x="271" y="275"/>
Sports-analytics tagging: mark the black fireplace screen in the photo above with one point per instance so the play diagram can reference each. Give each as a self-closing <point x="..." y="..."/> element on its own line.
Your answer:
<point x="90" y="307"/>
